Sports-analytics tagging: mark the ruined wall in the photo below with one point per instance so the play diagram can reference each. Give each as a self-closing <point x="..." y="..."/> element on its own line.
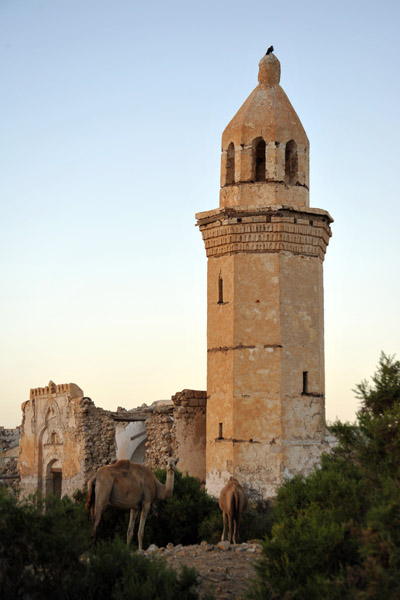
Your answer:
<point x="9" y="447"/>
<point x="178" y="429"/>
<point x="189" y="431"/>
<point x="64" y="439"/>
<point x="96" y="428"/>
<point x="160" y="443"/>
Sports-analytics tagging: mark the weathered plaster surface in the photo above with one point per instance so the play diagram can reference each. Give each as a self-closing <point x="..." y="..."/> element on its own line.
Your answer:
<point x="265" y="337"/>
<point x="62" y="434"/>
<point x="128" y="438"/>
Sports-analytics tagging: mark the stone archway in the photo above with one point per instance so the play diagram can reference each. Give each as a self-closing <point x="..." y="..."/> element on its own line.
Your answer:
<point x="54" y="478"/>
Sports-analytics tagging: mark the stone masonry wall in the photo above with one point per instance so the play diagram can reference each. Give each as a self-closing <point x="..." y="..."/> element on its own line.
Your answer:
<point x="9" y="440"/>
<point x="189" y="431"/>
<point x="178" y="430"/>
<point x="97" y="428"/>
<point x="160" y="443"/>
<point x="65" y="438"/>
<point x="64" y="432"/>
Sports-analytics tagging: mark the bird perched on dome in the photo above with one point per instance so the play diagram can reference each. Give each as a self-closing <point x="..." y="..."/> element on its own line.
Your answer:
<point x="270" y="50"/>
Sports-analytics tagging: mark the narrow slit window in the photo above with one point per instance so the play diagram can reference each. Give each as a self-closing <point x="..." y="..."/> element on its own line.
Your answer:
<point x="220" y="433"/>
<point x="220" y="290"/>
<point x="305" y="382"/>
<point x="230" y="165"/>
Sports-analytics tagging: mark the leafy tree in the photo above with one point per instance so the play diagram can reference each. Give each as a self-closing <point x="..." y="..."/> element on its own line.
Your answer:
<point x="336" y="533"/>
<point x="384" y="394"/>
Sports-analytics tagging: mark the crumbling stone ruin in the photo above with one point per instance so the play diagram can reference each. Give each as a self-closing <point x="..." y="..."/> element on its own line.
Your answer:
<point x="179" y="429"/>
<point x="189" y="431"/>
<point x="9" y="447"/>
<point x="263" y="416"/>
<point x="65" y="438"/>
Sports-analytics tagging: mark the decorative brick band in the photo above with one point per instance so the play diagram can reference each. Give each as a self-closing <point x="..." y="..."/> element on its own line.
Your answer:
<point x="71" y="389"/>
<point x="291" y="231"/>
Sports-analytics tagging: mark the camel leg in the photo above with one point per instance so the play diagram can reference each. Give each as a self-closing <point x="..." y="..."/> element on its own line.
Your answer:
<point x="97" y="511"/>
<point x="234" y="530"/>
<point x="230" y="518"/>
<point x="224" y="527"/>
<point x="237" y="522"/>
<point x="143" y="517"/>
<point x="102" y="498"/>
<point x="132" y="518"/>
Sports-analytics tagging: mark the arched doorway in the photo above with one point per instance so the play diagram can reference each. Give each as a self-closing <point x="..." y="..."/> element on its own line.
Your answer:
<point x="54" y="479"/>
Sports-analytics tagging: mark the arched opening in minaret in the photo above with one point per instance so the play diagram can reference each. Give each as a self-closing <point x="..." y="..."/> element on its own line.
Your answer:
<point x="230" y="165"/>
<point x="291" y="162"/>
<point x="258" y="166"/>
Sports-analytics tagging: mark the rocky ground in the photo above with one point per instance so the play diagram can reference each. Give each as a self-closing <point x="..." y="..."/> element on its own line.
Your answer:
<point x="223" y="569"/>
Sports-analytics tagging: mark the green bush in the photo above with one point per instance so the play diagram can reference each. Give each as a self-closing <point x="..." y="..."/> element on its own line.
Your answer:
<point x="188" y="517"/>
<point x="40" y="545"/>
<point x="178" y="519"/>
<point x="116" y="572"/>
<point x="255" y="523"/>
<point x="336" y="533"/>
<point x="46" y="552"/>
<point x="191" y="516"/>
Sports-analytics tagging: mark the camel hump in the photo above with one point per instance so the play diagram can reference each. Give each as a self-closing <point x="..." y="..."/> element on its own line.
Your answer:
<point x="122" y="463"/>
<point x="233" y="496"/>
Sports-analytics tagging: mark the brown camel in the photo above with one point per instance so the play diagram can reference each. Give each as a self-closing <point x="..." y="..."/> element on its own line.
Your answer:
<point x="232" y="502"/>
<point x="127" y="485"/>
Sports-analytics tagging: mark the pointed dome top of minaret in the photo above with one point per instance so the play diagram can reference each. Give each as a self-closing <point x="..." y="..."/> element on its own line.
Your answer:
<point x="265" y="150"/>
<point x="267" y="112"/>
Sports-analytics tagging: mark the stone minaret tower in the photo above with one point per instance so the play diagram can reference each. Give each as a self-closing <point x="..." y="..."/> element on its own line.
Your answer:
<point x="265" y="327"/>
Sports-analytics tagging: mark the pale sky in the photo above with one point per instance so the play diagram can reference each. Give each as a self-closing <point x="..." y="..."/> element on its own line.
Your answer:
<point x="112" y="116"/>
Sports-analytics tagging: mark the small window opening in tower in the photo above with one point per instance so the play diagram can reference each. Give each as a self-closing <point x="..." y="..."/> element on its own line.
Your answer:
<point x="220" y="290"/>
<point x="258" y="160"/>
<point x="220" y="432"/>
<point x="305" y="382"/>
<point x="230" y="165"/>
<point x="291" y="162"/>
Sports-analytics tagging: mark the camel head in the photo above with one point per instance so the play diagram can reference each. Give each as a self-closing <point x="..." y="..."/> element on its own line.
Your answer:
<point x="172" y="462"/>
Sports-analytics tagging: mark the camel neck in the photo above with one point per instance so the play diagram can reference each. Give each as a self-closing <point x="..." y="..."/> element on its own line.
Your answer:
<point x="165" y="491"/>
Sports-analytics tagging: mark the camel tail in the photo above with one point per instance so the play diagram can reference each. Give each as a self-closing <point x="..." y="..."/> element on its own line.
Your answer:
<point x="234" y="505"/>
